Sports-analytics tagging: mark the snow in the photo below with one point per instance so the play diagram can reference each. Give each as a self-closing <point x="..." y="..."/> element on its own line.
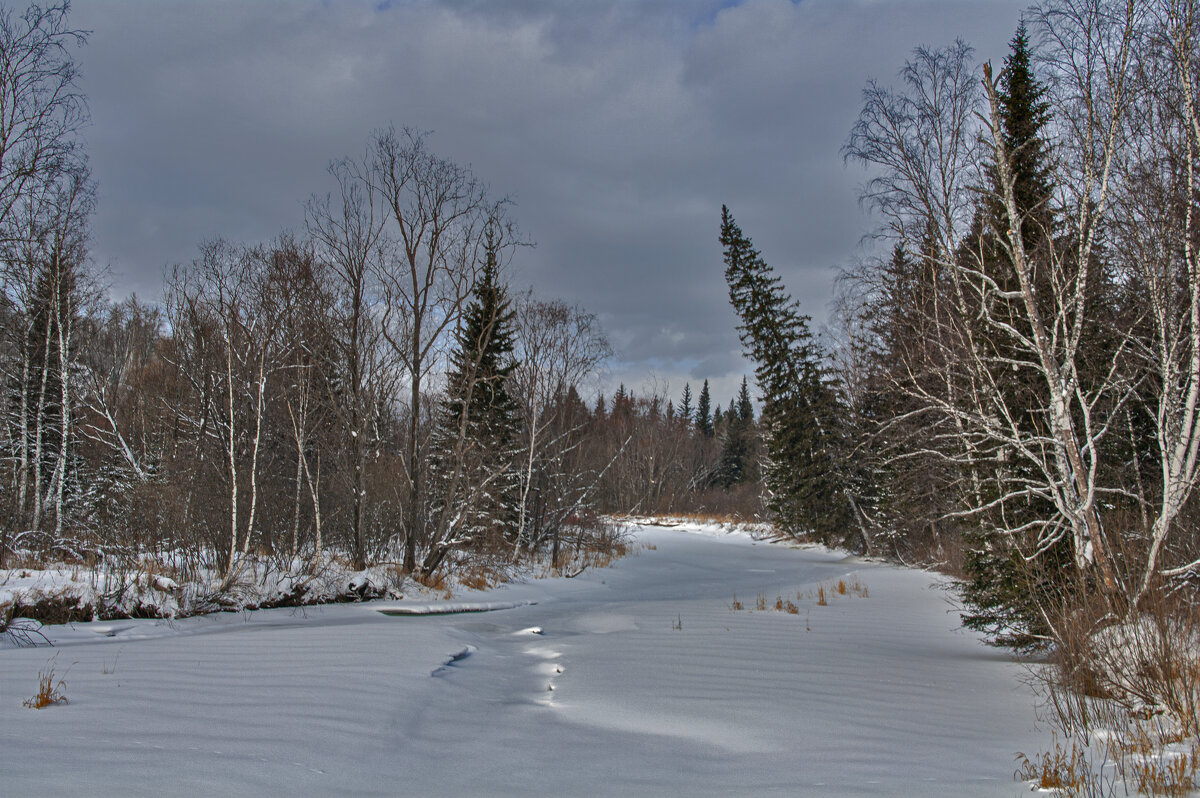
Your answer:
<point x="633" y="680"/>
<point x="448" y="607"/>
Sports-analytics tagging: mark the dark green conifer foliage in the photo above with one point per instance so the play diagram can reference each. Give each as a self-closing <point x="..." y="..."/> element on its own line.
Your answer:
<point x="685" y="404"/>
<point x="1006" y="585"/>
<point x="704" y="421"/>
<point x="800" y="415"/>
<point x="478" y="423"/>
<point x="745" y="408"/>
<point x="737" y="445"/>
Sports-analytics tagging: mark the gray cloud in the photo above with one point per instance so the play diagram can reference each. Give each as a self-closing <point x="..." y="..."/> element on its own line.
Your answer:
<point x="619" y="129"/>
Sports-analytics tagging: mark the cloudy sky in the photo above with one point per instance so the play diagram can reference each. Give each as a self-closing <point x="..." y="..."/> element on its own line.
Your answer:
<point x="618" y="128"/>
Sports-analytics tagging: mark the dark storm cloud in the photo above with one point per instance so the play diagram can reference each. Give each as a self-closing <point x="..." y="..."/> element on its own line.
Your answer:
<point x="619" y="128"/>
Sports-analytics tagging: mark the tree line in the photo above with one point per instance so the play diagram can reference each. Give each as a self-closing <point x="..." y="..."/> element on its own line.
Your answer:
<point x="368" y="388"/>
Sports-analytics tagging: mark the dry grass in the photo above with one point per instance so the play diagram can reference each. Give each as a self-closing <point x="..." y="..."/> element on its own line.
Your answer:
<point x="851" y="586"/>
<point x="710" y="518"/>
<point x="1064" y="770"/>
<point x="1126" y="690"/>
<point x="49" y="691"/>
<point x="762" y="605"/>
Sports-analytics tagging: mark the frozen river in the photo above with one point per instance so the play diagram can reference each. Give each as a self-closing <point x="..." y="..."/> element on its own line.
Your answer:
<point x="633" y="680"/>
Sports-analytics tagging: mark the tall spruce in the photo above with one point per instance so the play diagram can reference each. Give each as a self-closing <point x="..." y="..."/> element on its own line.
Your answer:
<point x="478" y="424"/>
<point x="685" y="405"/>
<point x="1009" y="575"/>
<point x="704" y="420"/>
<point x="800" y="413"/>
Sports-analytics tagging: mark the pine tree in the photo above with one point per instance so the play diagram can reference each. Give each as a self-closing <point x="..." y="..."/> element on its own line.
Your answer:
<point x="704" y="423"/>
<point x="478" y="423"/>
<point x="800" y="414"/>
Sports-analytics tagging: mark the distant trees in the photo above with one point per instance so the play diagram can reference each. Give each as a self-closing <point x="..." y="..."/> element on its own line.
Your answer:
<point x="738" y="443"/>
<point x="704" y="412"/>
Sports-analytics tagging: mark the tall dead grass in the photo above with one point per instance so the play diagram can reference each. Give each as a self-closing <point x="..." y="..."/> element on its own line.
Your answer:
<point x="1123" y="696"/>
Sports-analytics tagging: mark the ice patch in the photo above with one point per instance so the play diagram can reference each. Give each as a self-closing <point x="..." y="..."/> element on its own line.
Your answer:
<point x="455" y="658"/>
<point x="452" y="608"/>
<point x="603" y="623"/>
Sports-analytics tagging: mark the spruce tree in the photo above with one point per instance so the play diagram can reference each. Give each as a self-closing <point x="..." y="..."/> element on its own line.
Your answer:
<point x="685" y="405"/>
<point x="737" y="441"/>
<point x="704" y="423"/>
<point x="745" y="407"/>
<point x="800" y="413"/>
<point x="1010" y="575"/>
<point x="477" y="427"/>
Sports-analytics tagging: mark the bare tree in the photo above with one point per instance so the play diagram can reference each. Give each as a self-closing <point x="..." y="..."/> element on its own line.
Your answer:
<point x="438" y="215"/>
<point x="41" y="108"/>
<point x="1154" y="222"/>
<point x="223" y="299"/>
<point x="347" y="232"/>
<point x="559" y="347"/>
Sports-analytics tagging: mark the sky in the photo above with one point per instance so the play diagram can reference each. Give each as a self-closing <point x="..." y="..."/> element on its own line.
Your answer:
<point x="617" y="128"/>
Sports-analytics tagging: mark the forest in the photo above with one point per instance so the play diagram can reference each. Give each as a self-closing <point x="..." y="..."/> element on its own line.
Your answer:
<point x="368" y="389"/>
<point x="1010" y="392"/>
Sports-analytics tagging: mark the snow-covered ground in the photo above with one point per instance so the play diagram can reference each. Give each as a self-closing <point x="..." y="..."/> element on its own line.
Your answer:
<point x="633" y="680"/>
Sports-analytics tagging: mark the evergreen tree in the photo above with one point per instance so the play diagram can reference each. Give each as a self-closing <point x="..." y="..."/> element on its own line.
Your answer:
<point x="1010" y="576"/>
<point x="478" y="424"/>
<point x="704" y="423"/>
<point x="745" y="409"/>
<point x="737" y="443"/>
<point x="800" y="414"/>
<point x="685" y="405"/>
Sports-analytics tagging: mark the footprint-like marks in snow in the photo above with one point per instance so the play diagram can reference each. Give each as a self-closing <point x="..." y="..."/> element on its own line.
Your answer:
<point x="455" y="658"/>
<point x="547" y="666"/>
